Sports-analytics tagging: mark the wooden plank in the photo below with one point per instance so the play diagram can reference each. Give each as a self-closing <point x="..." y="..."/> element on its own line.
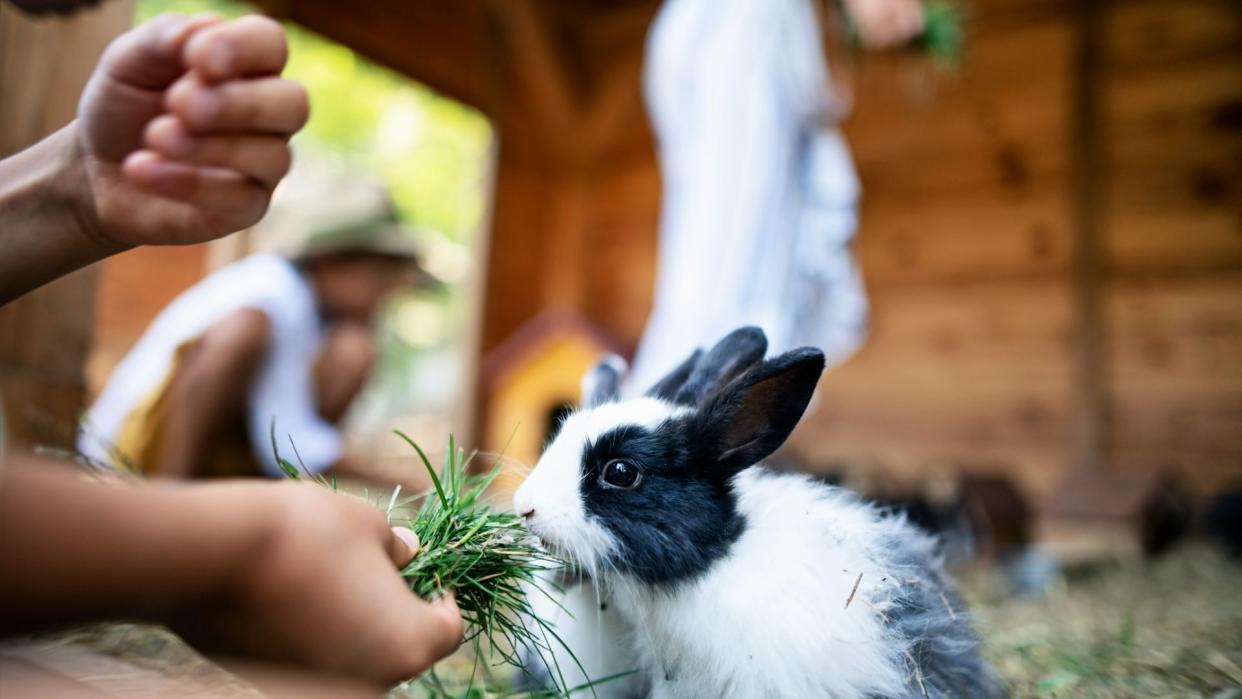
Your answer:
<point x="592" y="240"/>
<point x="968" y="130"/>
<point x="620" y="264"/>
<point x="1178" y="335"/>
<point x="1035" y="467"/>
<point x="1191" y="114"/>
<point x="930" y="388"/>
<point x="1151" y="34"/>
<point x="1001" y="333"/>
<point x="1194" y="438"/>
<point x="1012" y="162"/>
<point x="974" y="374"/>
<point x="917" y="134"/>
<point x="1174" y="201"/>
<point x="443" y="45"/>
<point x="993" y="16"/>
<point x="968" y="184"/>
<point x="44" y="64"/>
<point x="1172" y="241"/>
<point x="1181" y="102"/>
<point x="976" y="234"/>
<point x="1173" y="222"/>
<point x="514" y="264"/>
<point x="1177" y="363"/>
<point x="1090" y="434"/>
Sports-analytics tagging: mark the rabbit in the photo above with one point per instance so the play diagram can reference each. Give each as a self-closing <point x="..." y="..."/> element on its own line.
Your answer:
<point x="713" y="576"/>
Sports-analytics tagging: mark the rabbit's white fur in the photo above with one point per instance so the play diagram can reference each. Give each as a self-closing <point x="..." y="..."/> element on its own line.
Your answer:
<point x="810" y="639"/>
<point x="727" y="633"/>
<point x="599" y="637"/>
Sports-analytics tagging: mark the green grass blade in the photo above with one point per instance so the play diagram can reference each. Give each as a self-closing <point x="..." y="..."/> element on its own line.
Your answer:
<point x="435" y="480"/>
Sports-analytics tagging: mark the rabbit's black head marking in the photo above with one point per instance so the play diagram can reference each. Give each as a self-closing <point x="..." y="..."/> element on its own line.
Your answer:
<point x="677" y="519"/>
<point x="643" y="486"/>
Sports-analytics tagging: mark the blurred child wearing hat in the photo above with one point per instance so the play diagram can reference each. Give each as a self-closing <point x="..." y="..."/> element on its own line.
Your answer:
<point x="275" y="345"/>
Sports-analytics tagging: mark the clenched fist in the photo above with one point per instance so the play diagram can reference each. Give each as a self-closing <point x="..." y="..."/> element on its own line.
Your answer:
<point x="183" y="129"/>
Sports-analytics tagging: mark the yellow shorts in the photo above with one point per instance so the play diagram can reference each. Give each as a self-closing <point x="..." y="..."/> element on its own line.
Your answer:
<point x="139" y="442"/>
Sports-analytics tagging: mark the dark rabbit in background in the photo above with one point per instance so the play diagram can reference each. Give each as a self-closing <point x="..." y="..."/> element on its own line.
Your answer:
<point x="710" y="575"/>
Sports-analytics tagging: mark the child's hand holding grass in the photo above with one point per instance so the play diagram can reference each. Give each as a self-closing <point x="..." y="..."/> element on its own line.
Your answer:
<point x="319" y="589"/>
<point x="482" y="560"/>
<point x="277" y="571"/>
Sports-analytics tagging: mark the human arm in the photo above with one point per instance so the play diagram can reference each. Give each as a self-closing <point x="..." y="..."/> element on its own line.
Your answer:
<point x="182" y="133"/>
<point x="281" y="571"/>
<point x="209" y="390"/>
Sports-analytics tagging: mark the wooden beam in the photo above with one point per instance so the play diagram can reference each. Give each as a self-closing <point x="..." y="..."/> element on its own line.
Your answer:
<point x="444" y="45"/>
<point x="1090" y="385"/>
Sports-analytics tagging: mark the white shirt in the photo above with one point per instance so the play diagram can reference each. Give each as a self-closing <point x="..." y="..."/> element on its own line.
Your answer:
<point x="760" y="193"/>
<point x="282" y="393"/>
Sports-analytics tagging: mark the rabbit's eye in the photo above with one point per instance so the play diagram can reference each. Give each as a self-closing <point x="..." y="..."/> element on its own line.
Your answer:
<point x="620" y="474"/>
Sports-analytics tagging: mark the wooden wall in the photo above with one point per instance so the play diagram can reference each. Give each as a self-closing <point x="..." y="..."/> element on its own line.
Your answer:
<point x="1171" y="86"/>
<point x="1052" y="237"/>
<point x="1084" y="166"/>
<point x="44" y="337"/>
<point x="967" y="246"/>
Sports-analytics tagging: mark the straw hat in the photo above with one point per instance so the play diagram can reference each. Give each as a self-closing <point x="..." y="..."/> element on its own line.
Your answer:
<point x="378" y="232"/>
<point x="313" y="217"/>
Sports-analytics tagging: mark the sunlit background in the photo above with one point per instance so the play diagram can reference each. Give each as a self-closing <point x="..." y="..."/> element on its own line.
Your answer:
<point x="1050" y="235"/>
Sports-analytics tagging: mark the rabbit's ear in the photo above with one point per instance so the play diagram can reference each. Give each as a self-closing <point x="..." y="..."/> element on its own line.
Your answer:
<point x="668" y="387"/>
<point x="733" y="356"/>
<point x="750" y="418"/>
<point x="602" y="384"/>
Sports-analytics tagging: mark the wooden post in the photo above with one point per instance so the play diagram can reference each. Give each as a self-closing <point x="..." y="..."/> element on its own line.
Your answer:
<point x="45" y="335"/>
<point x="1091" y="394"/>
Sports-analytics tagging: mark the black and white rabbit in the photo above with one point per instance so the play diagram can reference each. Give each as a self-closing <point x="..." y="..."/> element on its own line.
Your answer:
<point x="712" y="576"/>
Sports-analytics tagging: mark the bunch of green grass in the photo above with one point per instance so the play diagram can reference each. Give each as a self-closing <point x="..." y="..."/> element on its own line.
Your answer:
<point x="486" y="556"/>
<point x="488" y="559"/>
<point x="942" y="36"/>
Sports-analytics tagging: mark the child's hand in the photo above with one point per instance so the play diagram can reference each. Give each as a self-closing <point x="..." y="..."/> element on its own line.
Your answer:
<point x="279" y="571"/>
<point x="183" y="130"/>
<point x="321" y="588"/>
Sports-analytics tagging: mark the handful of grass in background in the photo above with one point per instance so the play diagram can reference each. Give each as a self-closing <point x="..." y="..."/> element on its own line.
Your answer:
<point x="943" y="36"/>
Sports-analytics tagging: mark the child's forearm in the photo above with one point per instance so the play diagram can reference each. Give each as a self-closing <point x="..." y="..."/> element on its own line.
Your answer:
<point x="284" y="571"/>
<point x="73" y="549"/>
<point x="43" y="234"/>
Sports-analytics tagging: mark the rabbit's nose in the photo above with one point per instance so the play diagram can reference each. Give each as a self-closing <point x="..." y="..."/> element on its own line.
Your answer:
<point x="527" y="514"/>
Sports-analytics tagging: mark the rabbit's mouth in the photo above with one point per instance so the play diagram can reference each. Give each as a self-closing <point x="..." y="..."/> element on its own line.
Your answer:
<point x="551" y="542"/>
<point x="583" y="546"/>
